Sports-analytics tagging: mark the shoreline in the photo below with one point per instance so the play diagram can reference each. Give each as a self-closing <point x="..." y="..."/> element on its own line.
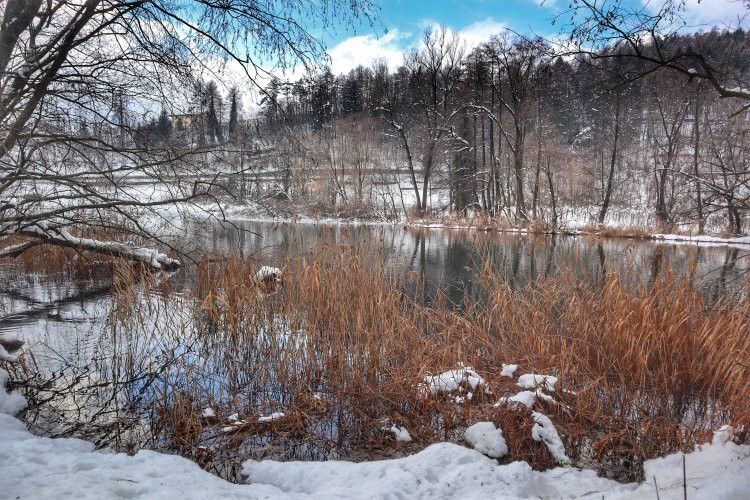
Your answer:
<point x="740" y="242"/>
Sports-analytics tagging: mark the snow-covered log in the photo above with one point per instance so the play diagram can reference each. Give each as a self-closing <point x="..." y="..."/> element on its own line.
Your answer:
<point x="61" y="237"/>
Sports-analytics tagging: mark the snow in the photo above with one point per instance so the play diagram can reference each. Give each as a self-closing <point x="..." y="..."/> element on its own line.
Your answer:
<point x="268" y="272"/>
<point x="544" y="430"/>
<point x="526" y="398"/>
<point x="60" y="235"/>
<point x="10" y="347"/>
<point x="10" y="403"/>
<point x="6" y="356"/>
<point x="508" y="370"/>
<point x="451" y="380"/>
<point x="532" y="380"/>
<point x="486" y="439"/>
<point x="277" y="415"/>
<point x="40" y="467"/>
<point x="401" y="434"/>
<point x="704" y="240"/>
<point x="208" y="413"/>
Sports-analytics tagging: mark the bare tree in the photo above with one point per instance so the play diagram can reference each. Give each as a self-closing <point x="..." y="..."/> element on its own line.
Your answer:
<point x="436" y="74"/>
<point x="651" y="33"/>
<point x="521" y="61"/>
<point x="75" y="73"/>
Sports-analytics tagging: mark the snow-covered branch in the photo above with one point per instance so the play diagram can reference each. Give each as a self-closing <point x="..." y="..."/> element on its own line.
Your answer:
<point x="42" y="233"/>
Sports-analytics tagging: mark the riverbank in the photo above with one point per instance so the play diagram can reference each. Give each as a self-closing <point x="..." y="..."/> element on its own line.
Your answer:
<point x="576" y="226"/>
<point x="41" y="467"/>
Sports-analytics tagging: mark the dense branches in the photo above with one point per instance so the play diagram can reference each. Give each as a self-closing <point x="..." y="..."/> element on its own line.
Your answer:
<point x="77" y="78"/>
<point x="511" y="128"/>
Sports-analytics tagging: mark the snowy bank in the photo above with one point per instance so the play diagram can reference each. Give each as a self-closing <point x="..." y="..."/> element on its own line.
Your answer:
<point x="40" y="467"/>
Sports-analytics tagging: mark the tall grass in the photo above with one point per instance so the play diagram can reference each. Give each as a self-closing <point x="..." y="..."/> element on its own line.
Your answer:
<point x="342" y="349"/>
<point x="643" y="370"/>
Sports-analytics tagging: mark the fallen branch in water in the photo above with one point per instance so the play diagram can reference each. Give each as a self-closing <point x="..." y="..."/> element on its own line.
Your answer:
<point x="61" y="237"/>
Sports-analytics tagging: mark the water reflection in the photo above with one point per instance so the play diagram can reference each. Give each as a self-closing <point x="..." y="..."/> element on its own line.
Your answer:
<point x="449" y="260"/>
<point x="446" y="261"/>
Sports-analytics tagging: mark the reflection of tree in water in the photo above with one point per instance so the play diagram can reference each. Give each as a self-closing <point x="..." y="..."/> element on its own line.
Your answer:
<point x="729" y="267"/>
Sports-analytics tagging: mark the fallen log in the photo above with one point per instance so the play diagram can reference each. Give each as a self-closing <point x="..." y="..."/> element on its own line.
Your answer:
<point x="61" y="237"/>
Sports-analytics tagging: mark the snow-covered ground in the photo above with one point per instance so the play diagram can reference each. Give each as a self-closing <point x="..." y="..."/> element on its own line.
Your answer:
<point x="40" y="467"/>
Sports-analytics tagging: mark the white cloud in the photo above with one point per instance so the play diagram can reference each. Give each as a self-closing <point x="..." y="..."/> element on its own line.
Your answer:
<point x="705" y="13"/>
<point x="363" y="49"/>
<point x="481" y="31"/>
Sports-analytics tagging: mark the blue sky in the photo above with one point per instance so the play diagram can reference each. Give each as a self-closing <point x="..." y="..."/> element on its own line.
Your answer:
<point x="401" y="22"/>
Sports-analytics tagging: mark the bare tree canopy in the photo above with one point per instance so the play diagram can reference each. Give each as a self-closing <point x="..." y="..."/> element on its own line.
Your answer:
<point x="77" y="77"/>
<point x="650" y="31"/>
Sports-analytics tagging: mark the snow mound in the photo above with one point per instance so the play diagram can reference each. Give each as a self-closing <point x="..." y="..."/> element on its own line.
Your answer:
<point x="486" y="439"/>
<point x="532" y="380"/>
<point x="508" y="370"/>
<point x="526" y="398"/>
<point x="451" y="381"/>
<point x="10" y="403"/>
<point x="401" y="434"/>
<point x="268" y="273"/>
<point x="208" y="413"/>
<point x="544" y="430"/>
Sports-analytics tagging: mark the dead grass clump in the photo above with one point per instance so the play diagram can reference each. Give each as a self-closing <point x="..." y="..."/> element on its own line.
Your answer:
<point x="642" y="371"/>
<point x="516" y="423"/>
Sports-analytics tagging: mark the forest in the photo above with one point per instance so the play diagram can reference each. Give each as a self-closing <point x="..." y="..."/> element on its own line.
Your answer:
<point x="514" y="129"/>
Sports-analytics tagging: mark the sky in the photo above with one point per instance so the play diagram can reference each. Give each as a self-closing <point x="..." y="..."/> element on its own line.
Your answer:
<point x="400" y="24"/>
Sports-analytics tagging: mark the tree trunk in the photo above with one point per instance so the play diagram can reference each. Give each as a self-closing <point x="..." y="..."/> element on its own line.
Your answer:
<point x="612" y="163"/>
<point x="518" y="171"/>
<point x="698" y="194"/>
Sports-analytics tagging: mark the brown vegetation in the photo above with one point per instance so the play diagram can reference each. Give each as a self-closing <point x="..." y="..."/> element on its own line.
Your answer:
<point x="643" y="372"/>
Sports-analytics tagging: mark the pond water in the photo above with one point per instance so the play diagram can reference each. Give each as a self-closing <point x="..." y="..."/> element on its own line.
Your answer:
<point x="447" y="260"/>
<point x="69" y="328"/>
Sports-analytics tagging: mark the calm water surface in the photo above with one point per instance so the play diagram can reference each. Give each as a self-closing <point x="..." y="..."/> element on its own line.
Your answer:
<point x="446" y="260"/>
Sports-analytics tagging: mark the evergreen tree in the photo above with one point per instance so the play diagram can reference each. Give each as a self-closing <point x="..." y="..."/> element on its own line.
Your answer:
<point x="270" y="101"/>
<point x="323" y="98"/>
<point x="232" y="126"/>
<point x="164" y="126"/>
<point x="214" y="100"/>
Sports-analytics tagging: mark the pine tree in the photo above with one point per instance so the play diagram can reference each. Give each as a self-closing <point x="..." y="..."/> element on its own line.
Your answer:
<point x="164" y="126"/>
<point x="232" y="126"/>
<point x="214" y="127"/>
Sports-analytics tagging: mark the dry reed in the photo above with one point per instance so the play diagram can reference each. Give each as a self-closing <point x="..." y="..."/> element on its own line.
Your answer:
<point x="643" y="371"/>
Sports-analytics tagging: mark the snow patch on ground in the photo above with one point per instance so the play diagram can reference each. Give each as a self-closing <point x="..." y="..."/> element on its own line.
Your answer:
<point x="508" y="370"/>
<point x="486" y="439"/>
<point x="40" y="467"/>
<point x="532" y="380"/>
